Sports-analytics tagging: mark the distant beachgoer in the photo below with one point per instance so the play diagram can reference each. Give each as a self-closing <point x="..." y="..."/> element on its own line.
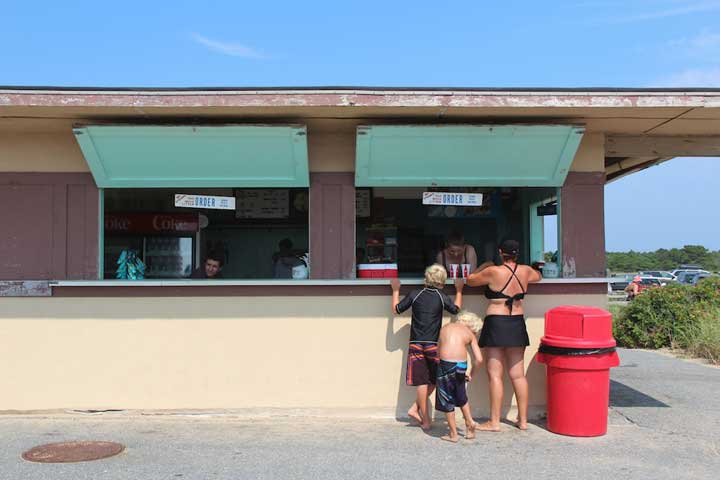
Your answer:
<point x="633" y="288"/>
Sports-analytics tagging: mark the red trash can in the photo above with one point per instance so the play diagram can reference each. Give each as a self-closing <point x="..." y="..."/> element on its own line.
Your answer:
<point x="578" y="350"/>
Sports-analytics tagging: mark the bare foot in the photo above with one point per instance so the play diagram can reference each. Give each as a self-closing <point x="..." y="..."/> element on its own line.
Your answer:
<point x="470" y="433"/>
<point x="414" y="414"/>
<point x="521" y="425"/>
<point x="426" y="426"/>
<point x="487" y="427"/>
<point x="450" y="439"/>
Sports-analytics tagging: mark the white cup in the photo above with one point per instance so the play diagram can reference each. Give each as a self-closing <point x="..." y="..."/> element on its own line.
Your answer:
<point x="465" y="270"/>
<point x="454" y="270"/>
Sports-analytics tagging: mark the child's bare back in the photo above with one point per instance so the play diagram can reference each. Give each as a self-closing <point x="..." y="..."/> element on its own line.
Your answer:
<point x="453" y="342"/>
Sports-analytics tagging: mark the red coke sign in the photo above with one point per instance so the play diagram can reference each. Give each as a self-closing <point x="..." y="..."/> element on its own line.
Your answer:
<point x="151" y="222"/>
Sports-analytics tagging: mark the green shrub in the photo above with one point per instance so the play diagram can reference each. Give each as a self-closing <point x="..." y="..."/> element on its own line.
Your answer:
<point x="707" y="292"/>
<point x="657" y="317"/>
<point x="703" y="340"/>
<point x="673" y="316"/>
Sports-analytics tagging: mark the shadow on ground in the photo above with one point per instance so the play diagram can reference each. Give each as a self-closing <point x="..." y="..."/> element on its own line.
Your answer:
<point x="623" y="396"/>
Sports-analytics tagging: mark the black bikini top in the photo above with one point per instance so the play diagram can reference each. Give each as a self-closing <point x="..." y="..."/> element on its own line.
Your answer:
<point x="492" y="294"/>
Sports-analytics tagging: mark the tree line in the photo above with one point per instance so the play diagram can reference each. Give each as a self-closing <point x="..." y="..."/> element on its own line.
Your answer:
<point x="664" y="259"/>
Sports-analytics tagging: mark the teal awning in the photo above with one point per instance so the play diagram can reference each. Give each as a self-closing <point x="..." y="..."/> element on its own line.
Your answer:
<point x="186" y="156"/>
<point x="465" y="155"/>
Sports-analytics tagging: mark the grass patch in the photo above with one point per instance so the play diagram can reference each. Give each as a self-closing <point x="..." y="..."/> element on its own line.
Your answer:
<point x="703" y="340"/>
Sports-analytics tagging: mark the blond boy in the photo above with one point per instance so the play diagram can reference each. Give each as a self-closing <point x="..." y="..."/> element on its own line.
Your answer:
<point x="453" y="372"/>
<point x="427" y="305"/>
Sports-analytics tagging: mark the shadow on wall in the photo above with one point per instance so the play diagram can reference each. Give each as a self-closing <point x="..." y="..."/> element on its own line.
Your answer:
<point x="478" y="390"/>
<point x="399" y="341"/>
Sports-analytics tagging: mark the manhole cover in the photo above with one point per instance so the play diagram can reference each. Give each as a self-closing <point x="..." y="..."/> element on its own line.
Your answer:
<point x="67" y="452"/>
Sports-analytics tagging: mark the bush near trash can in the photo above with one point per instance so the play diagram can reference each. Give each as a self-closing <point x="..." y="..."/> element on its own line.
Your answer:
<point x="578" y="350"/>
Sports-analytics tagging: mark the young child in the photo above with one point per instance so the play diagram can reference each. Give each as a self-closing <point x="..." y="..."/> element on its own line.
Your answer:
<point x="427" y="305"/>
<point x="452" y="372"/>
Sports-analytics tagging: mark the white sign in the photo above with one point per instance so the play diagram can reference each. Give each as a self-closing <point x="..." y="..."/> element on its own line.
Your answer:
<point x="263" y="203"/>
<point x="453" y="198"/>
<point x="204" y="201"/>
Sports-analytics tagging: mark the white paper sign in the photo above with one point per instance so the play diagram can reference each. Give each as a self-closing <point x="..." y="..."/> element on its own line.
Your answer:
<point x="204" y="201"/>
<point x="263" y="203"/>
<point x="453" y="198"/>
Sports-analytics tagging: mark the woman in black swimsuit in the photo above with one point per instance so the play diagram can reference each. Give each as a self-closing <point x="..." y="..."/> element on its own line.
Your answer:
<point x="457" y="251"/>
<point x="504" y="336"/>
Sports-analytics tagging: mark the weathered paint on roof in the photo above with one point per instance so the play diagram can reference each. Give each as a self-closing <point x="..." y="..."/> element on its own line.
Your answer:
<point x="390" y="98"/>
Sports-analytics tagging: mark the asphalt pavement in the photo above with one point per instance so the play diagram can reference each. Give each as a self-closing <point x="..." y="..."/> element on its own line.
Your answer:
<point x="664" y="423"/>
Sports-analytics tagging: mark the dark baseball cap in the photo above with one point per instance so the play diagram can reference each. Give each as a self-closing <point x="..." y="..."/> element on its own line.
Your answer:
<point x="510" y="247"/>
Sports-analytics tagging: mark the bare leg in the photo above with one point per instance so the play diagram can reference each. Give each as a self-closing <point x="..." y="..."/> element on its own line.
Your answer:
<point x="414" y="411"/>
<point x="515" y="356"/>
<point x="494" y="365"/>
<point x="453" y="437"/>
<point x="423" y="393"/>
<point x="469" y="422"/>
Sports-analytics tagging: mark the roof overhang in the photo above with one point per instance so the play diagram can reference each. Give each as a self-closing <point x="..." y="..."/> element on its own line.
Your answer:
<point x="650" y="125"/>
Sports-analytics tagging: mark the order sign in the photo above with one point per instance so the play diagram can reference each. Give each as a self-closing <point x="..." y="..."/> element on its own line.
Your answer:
<point x="204" y="201"/>
<point x="453" y="198"/>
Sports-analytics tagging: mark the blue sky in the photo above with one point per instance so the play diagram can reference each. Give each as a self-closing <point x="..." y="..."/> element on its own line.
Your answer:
<point x="624" y="43"/>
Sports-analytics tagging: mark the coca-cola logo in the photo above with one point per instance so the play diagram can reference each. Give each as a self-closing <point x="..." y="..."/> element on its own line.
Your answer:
<point x="117" y="223"/>
<point x="167" y="223"/>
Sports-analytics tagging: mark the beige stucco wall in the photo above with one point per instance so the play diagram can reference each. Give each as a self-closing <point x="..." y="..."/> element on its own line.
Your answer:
<point x="40" y="152"/>
<point x="590" y="156"/>
<point x="329" y="150"/>
<point x="335" y="354"/>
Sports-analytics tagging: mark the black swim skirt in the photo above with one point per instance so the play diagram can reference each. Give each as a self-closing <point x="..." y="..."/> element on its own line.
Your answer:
<point x="504" y="331"/>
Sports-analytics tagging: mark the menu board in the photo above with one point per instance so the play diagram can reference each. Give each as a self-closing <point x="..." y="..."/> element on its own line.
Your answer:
<point x="262" y="203"/>
<point x="362" y="203"/>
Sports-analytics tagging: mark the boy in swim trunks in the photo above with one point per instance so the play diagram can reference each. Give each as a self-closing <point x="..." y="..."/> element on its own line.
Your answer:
<point x="427" y="305"/>
<point x="452" y="371"/>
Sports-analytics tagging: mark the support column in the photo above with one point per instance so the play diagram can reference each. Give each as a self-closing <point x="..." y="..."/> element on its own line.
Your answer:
<point x="332" y="225"/>
<point x="582" y="223"/>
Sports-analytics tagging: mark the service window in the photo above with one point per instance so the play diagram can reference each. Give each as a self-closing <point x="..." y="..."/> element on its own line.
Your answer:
<point x="259" y="233"/>
<point x="394" y="227"/>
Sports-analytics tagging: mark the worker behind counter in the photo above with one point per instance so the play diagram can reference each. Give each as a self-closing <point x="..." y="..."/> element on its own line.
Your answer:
<point x="285" y="259"/>
<point x="212" y="267"/>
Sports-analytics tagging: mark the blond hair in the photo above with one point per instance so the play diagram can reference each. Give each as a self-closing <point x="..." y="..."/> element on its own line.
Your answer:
<point x="435" y="276"/>
<point x="470" y="320"/>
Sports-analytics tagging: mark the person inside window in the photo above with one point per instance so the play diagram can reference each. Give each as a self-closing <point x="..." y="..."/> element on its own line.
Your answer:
<point x="285" y="259"/>
<point x="457" y="252"/>
<point x="212" y="267"/>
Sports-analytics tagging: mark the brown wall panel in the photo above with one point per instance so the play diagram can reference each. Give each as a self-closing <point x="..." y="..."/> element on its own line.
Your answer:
<point x="583" y="225"/>
<point x="52" y="226"/>
<point x="26" y="238"/>
<point x="332" y="225"/>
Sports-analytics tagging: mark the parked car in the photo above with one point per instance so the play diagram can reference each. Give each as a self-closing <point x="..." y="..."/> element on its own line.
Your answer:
<point x="688" y="268"/>
<point x="648" y="282"/>
<point x="692" y="278"/>
<point x="681" y="274"/>
<point x="663" y="276"/>
<point x="619" y="282"/>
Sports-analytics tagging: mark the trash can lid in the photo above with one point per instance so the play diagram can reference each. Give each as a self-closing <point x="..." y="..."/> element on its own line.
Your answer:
<point x="578" y="326"/>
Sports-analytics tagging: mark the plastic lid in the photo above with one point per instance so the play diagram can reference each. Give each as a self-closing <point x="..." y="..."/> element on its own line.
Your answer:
<point x="577" y="326"/>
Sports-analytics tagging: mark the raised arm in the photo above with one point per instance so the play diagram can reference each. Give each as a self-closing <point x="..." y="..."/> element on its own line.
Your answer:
<point x="395" y="285"/>
<point x="479" y="277"/>
<point x="534" y="275"/>
<point x="459" y="285"/>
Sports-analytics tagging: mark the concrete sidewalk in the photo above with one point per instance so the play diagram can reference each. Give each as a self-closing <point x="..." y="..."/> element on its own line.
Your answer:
<point x="664" y="423"/>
